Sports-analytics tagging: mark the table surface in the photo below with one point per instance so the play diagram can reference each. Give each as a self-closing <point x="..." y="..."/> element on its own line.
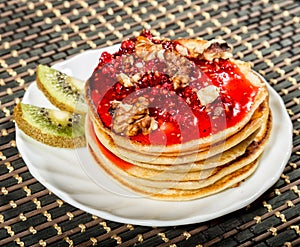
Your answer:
<point x="267" y="33"/>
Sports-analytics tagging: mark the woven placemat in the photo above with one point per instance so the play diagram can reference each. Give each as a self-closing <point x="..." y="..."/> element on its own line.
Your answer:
<point x="267" y="33"/>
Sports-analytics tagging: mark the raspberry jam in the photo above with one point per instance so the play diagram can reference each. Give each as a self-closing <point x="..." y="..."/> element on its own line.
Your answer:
<point x="178" y="111"/>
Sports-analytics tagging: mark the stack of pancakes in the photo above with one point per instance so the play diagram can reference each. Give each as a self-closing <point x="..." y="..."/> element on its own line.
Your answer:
<point x="192" y="169"/>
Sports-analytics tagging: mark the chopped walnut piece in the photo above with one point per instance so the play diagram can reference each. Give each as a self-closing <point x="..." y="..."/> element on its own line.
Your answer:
<point x="178" y="68"/>
<point x="180" y="81"/>
<point x="132" y="119"/>
<point x="128" y="59"/>
<point x="124" y="80"/>
<point x="217" y="49"/>
<point x="160" y="54"/>
<point x="136" y="77"/>
<point x="145" y="49"/>
<point x="182" y="50"/>
<point x="208" y="50"/>
<point x="127" y="81"/>
<point x="114" y="104"/>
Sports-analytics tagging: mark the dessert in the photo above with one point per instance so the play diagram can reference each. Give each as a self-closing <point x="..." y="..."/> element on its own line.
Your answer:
<point x="176" y="119"/>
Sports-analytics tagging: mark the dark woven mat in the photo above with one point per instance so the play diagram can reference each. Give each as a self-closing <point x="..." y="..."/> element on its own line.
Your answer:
<point x="267" y="33"/>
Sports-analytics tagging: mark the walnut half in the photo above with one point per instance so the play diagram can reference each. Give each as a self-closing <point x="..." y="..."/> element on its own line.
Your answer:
<point x="129" y="120"/>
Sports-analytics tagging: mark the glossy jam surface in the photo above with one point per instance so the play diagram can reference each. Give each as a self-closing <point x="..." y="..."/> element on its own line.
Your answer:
<point x="179" y="113"/>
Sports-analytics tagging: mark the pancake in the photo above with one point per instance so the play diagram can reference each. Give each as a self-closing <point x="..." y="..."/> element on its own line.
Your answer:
<point x="176" y="119"/>
<point x="139" y="157"/>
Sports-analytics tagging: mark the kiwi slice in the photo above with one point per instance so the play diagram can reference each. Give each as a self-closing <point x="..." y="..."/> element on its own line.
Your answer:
<point x="52" y="127"/>
<point x="63" y="91"/>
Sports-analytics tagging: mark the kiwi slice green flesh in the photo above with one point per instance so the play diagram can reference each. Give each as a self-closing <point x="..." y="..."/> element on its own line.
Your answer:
<point x="63" y="91"/>
<point x="52" y="127"/>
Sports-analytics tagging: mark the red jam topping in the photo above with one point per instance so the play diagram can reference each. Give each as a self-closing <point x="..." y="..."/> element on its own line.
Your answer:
<point x="179" y="113"/>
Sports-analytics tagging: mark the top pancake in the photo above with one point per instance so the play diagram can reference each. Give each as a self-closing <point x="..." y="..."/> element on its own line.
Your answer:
<point x="137" y="156"/>
<point x="186" y="49"/>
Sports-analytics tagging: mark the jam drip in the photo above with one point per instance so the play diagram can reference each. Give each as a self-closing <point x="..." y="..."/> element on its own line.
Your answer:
<point x="179" y="113"/>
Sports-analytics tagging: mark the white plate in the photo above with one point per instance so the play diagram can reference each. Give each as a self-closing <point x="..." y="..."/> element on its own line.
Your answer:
<point x="61" y="170"/>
